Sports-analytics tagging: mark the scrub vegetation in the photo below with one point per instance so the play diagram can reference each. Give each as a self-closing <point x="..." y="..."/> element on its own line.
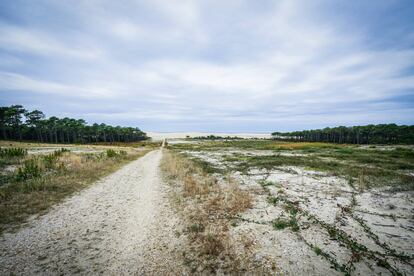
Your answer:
<point x="366" y="166"/>
<point x="333" y="207"/>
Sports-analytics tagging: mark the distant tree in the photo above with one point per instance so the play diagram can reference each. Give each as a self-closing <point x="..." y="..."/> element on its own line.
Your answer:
<point x="14" y="118"/>
<point x="369" y="134"/>
<point x="3" y="120"/>
<point x="34" y="120"/>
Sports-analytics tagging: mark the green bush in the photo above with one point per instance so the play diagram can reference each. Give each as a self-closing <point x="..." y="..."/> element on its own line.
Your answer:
<point x="30" y="169"/>
<point x="110" y="153"/>
<point x="49" y="161"/>
<point x="12" y="152"/>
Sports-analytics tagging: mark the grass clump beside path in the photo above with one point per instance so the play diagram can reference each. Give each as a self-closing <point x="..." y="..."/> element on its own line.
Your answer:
<point x="207" y="206"/>
<point x="40" y="181"/>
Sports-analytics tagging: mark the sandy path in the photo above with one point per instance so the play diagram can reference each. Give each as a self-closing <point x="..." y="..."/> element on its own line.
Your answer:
<point x="115" y="227"/>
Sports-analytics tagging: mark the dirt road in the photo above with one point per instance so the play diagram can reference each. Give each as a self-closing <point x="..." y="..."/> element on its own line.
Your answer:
<point x="121" y="225"/>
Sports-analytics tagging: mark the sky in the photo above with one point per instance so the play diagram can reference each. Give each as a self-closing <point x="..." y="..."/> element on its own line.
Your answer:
<point x="211" y="66"/>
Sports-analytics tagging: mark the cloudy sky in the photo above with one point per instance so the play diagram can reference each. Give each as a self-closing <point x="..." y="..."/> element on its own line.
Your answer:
<point x="232" y="66"/>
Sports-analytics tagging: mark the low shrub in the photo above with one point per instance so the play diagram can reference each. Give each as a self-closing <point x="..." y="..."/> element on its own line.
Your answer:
<point x="110" y="153"/>
<point x="30" y="169"/>
<point x="50" y="160"/>
<point x="12" y="152"/>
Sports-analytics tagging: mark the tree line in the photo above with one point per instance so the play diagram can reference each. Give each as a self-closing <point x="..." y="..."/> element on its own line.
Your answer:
<point x="369" y="134"/>
<point x="17" y="123"/>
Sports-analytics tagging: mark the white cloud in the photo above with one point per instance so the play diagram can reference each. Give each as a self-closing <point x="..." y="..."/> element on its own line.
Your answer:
<point x="127" y="30"/>
<point x="17" y="82"/>
<point x="204" y="61"/>
<point x="40" y="43"/>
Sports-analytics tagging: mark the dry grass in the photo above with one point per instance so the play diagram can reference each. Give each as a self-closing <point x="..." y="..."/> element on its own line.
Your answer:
<point x="207" y="207"/>
<point x="69" y="173"/>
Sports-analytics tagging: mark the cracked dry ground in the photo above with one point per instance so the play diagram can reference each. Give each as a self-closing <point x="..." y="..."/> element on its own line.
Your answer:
<point x="121" y="225"/>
